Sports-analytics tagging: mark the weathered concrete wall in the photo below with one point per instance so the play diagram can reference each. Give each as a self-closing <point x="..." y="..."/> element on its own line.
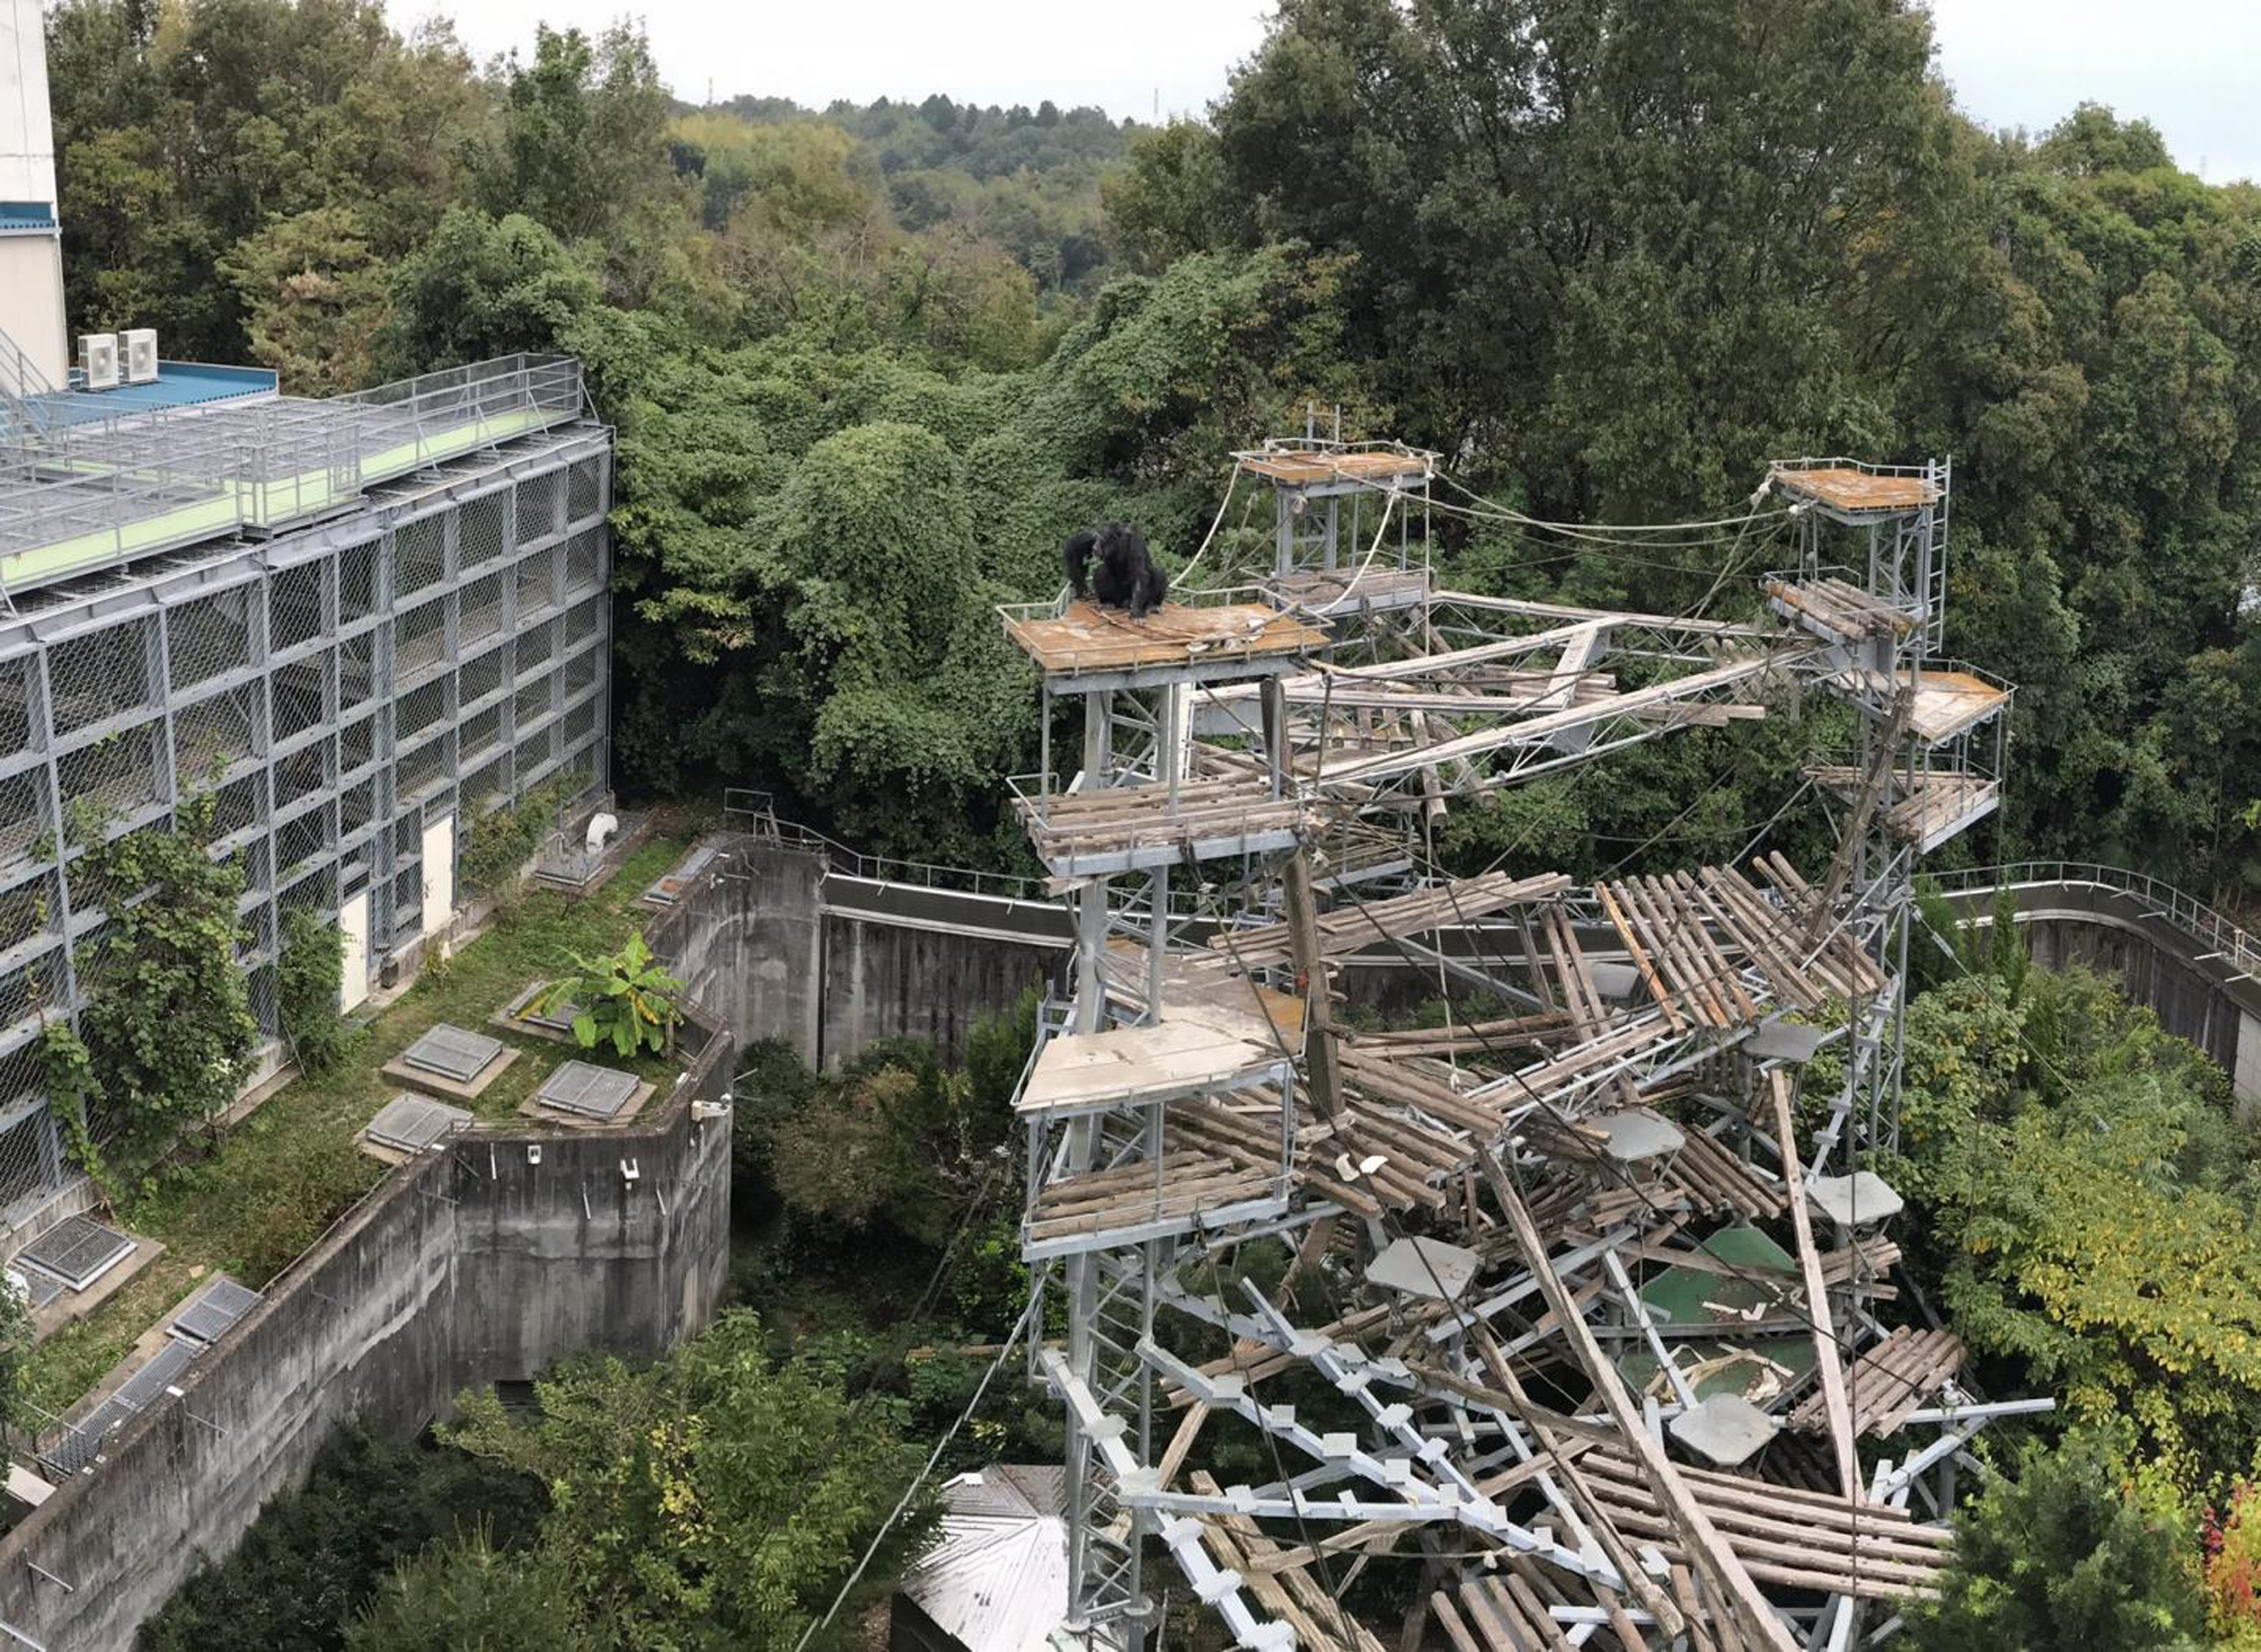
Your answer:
<point x="748" y="941"/>
<point x="779" y="946"/>
<point x="469" y="1266"/>
<point x="882" y="980"/>
<point x="2186" y="1004"/>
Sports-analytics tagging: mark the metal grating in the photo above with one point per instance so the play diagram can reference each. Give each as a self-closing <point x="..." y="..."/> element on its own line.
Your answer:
<point x="148" y="1385"/>
<point x="38" y="1288"/>
<point x="594" y="1092"/>
<point x="81" y="1444"/>
<point x="211" y="1311"/>
<point x="409" y="1124"/>
<point x="78" y="1250"/>
<point x="452" y="1053"/>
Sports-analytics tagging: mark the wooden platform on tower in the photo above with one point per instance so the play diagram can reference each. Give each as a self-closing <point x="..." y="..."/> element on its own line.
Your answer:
<point x="1083" y="648"/>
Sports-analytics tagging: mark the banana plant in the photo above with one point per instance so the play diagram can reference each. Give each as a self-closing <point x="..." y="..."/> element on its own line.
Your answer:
<point x="624" y="999"/>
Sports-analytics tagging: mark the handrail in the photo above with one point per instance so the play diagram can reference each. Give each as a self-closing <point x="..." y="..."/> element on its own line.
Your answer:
<point x="2201" y="921"/>
<point x="745" y="801"/>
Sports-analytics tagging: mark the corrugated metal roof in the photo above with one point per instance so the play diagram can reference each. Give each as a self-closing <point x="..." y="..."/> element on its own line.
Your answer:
<point x="996" y="1580"/>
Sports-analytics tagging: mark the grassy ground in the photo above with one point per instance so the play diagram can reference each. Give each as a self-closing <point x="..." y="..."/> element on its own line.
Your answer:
<point x="256" y="1199"/>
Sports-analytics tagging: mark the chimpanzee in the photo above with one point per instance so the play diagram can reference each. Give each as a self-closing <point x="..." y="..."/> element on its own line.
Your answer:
<point x="1126" y="577"/>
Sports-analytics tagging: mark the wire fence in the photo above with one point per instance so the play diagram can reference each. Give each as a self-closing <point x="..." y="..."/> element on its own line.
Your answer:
<point x="337" y="694"/>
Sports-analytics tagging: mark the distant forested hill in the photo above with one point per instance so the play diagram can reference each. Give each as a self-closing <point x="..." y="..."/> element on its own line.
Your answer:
<point x="1028" y="179"/>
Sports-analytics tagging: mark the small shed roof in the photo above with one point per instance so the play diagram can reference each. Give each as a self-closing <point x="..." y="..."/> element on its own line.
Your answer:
<point x="996" y="1581"/>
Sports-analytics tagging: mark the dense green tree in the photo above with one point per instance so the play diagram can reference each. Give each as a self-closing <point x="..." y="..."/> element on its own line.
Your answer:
<point x="482" y="287"/>
<point x="715" y="1498"/>
<point x="315" y="1555"/>
<point x="2062" y="1554"/>
<point x="468" y="1595"/>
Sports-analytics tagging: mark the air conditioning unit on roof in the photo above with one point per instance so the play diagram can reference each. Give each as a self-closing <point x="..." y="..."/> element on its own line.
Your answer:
<point x="141" y="354"/>
<point x="98" y="360"/>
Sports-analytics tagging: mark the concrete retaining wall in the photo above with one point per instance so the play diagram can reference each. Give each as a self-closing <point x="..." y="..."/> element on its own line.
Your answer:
<point x="780" y="947"/>
<point x="480" y="1264"/>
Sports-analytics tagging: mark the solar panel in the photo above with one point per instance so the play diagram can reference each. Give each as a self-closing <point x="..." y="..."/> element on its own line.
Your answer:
<point x="409" y="1124"/>
<point x="149" y="1384"/>
<point x="213" y="1309"/>
<point x="453" y="1053"/>
<point x="595" y="1092"/>
<point x="78" y="1250"/>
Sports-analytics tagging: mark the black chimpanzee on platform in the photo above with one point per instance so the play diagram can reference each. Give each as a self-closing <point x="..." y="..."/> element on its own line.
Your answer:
<point x="1126" y="577"/>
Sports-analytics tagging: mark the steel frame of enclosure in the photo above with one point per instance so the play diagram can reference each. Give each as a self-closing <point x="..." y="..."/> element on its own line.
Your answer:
<point x="441" y="648"/>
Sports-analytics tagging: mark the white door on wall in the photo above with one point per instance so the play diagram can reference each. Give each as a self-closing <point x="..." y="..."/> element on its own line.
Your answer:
<point x="438" y="874"/>
<point x="352" y="922"/>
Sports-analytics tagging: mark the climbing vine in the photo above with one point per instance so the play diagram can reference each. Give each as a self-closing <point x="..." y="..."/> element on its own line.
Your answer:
<point x="308" y="972"/>
<point x="166" y="1025"/>
<point x="501" y="841"/>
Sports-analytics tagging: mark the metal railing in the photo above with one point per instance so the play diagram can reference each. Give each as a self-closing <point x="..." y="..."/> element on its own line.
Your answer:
<point x="755" y="813"/>
<point x="83" y="491"/>
<point x="2220" y="934"/>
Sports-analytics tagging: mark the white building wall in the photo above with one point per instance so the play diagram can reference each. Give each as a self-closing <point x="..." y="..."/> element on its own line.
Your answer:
<point x="31" y="265"/>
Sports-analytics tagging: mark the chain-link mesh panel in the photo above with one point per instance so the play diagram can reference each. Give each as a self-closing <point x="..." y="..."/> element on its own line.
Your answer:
<point x="31" y="986"/>
<point x="479" y="736"/>
<point x="537" y="645"/>
<point x="419" y="556"/>
<point x="424" y="770"/>
<point x="489" y="782"/>
<point x="356" y="583"/>
<point x="482" y="531"/>
<point x="294" y="606"/>
<point x="584" y="620"/>
<point x="99" y="676"/>
<point x="19" y="707"/>
<point x="356" y="807"/>
<point x="408" y="901"/>
<point x="214" y="734"/>
<point x="261" y="987"/>
<point x="538" y="497"/>
<point x="533" y="756"/>
<point x="32" y="1167"/>
<point x="357" y="670"/>
<point x="115" y="776"/>
<point x="584" y="489"/>
<point x="29" y="910"/>
<point x="357" y="745"/>
<point x="584" y="560"/>
<point x="257" y="860"/>
<point x="577" y="725"/>
<point x="420" y="640"/>
<point x="422" y="707"/>
<point x="580" y="672"/>
<point x="242" y="802"/>
<point x="534" y="702"/>
<point x="380" y="910"/>
<point x="316" y="892"/>
<point x="301" y="775"/>
<point x="537" y="582"/>
<point x="25" y="821"/>
<point x="254" y="937"/>
<point x="408" y="835"/>
<point x="301" y="695"/>
<point x="484" y="676"/>
<point x="300" y="842"/>
<point x="480" y="615"/>
<point x="212" y="635"/>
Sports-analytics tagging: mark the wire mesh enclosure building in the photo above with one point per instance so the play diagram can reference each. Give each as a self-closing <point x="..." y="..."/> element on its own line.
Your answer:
<point x="355" y="694"/>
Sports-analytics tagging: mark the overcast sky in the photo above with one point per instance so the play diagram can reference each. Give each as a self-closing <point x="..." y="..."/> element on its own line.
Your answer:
<point x="2193" y="67"/>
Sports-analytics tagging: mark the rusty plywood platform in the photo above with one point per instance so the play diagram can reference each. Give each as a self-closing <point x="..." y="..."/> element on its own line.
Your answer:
<point x="1947" y="702"/>
<point x="1087" y="640"/>
<point x="1131" y="1066"/>
<point x="1843" y="488"/>
<point x="1303" y="468"/>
